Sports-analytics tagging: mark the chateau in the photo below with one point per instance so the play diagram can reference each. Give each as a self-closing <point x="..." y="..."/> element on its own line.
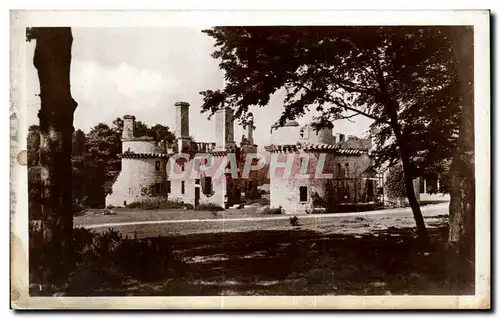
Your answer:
<point x="328" y="169"/>
<point x="146" y="174"/>
<point x="309" y="169"/>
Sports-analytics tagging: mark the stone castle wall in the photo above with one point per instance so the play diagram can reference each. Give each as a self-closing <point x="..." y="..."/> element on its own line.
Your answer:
<point x="137" y="181"/>
<point x="139" y="146"/>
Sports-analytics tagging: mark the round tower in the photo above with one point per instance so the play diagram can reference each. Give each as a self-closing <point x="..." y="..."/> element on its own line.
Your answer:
<point x="309" y="154"/>
<point x="143" y="172"/>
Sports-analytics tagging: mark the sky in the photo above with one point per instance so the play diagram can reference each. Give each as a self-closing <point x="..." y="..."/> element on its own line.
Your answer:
<point x="144" y="71"/>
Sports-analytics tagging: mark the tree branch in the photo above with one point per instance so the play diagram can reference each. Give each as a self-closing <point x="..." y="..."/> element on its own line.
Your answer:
<point x="344" y="105"/>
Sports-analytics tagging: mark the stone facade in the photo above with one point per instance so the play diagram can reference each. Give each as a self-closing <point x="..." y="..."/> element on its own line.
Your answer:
<point x="189" y="172"/>
<point x="322" y="165"/>
<point x="143" y="171"/>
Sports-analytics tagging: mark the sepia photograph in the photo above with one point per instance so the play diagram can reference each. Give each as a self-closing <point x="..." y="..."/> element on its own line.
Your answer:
<point x="216" y="161"/>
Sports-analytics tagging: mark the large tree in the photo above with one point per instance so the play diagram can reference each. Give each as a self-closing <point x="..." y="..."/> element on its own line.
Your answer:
<point x="403" y="78"/>
<point x="462" y="184"/>
<point x="52" y="59"/>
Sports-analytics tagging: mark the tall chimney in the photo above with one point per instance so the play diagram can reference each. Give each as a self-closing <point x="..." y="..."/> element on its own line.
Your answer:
<point x="128" y="127"/>
<point x="182" y="125"/>
<point x="182" y="119"/>
<point x="224" y="128"/>
<point x="250" y="132"/>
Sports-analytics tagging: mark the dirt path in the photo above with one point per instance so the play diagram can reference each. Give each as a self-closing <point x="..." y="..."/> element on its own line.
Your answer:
<point x="427" y="211"/>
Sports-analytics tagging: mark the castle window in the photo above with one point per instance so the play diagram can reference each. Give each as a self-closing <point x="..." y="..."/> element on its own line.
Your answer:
<point x="303" y="193"/>
<point x="182" y="168"/>
<point x="207" y="185"/>
<point x="182" y="188"/>
<point x="208" y="182"/>
<point x="157" y="165"/>
<point x="167" y="187"/>
<point x="304" y="165"/>
<point x="347" y="169"/>
<point x="158" y="188"/>
<point x="197" y="181"/>
<point x="339" y="169"/>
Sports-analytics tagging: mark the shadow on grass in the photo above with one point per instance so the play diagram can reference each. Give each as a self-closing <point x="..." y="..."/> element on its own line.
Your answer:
<point x="302" y="262"/>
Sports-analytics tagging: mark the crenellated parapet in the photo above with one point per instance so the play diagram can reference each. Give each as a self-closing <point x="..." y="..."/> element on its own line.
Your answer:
<point x="143" y="155"/>
<point x="327" y="148"/>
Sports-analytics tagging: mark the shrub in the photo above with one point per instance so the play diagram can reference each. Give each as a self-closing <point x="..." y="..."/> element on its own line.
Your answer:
<point x="156" y="204"/>
<point x="188" y="206"/>
<point x="395" y="183"/>
<point x="264" y="201"/>
<point x="273" y="211"/>
<point x="105" y="258"/>
<point x="294" y="221"/>
<point x="210" y="207"/>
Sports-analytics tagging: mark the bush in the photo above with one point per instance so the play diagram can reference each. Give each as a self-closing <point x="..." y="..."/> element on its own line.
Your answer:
<point x="264" y="201"/>
<point x="273" y="211"/>
<point x="156" y="204"/>
<point x="395" y="183"/>
<point x="294" y="221"/>
<point x="210" y="207"/>
<point x="106" y="258"/>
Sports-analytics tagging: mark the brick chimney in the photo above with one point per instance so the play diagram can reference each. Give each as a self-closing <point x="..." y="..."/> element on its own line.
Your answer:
<point x="182" y="125"/>
<point x="128" y="127"/>
<point x="250" y="133"/>
<point x="224" y="128"/>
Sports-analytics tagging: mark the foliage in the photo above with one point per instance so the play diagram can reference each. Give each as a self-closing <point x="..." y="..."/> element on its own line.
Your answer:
<point x="342" y="72"/>
<point x="264" y="201"/>
<point x="209" y="207"/>
<point x="161" y="133"/>
<point x="94" y="159"/>
<point x="329" y="200"/>
<point x="107" y="257"/>
<point x="404" y="78"/>
<point x="395" y="183"/>
<point x="156" y="204"/>
<point x="273" y="211"/>
<point x="294" y="221"/>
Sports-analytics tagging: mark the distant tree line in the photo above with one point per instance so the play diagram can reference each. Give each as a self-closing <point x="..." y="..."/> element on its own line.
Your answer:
<point x="94" y="159"/>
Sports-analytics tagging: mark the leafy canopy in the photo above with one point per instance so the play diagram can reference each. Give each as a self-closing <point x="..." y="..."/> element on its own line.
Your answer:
<point x="403" y="78"/>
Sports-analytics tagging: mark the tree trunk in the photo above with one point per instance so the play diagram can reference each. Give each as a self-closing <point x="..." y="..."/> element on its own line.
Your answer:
<point x="52" y="60"/>
<point x="461" y="237"/>
<point x="410" y="190"/>
<point x="462" y="206"/>
<point x="391" y="108"/>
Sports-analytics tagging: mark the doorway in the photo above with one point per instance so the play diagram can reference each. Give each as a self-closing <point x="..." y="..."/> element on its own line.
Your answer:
<point x="196" y="196"/>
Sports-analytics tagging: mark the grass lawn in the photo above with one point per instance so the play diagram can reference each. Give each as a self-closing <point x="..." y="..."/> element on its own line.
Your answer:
<point x="298" y="262"/>
<point x="133" y="214"/>
<point x="353" y="255"/>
